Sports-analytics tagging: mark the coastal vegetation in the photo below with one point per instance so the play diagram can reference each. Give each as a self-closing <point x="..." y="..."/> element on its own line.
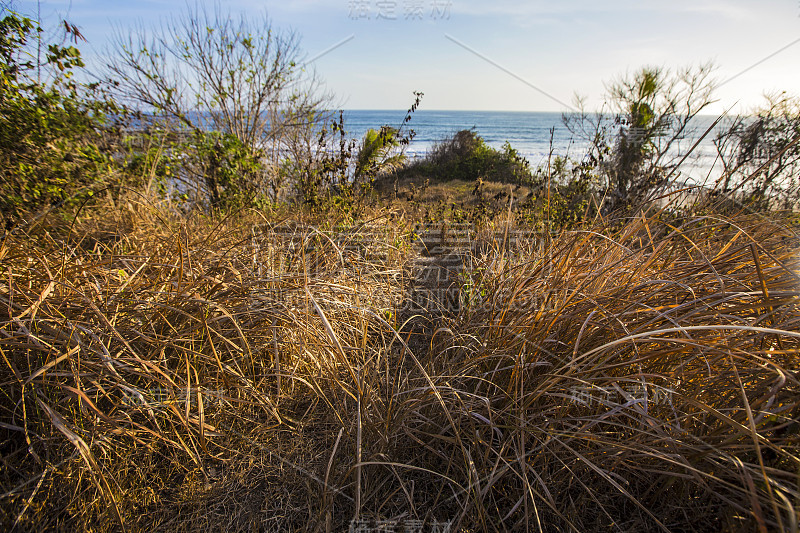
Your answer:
<point x="210" y="313"/>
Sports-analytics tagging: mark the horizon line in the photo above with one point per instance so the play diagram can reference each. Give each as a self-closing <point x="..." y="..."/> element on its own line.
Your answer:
<point x="400" y="110"/>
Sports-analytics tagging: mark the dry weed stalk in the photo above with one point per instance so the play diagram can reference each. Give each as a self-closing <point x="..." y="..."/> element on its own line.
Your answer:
<point x="250" y="374"/>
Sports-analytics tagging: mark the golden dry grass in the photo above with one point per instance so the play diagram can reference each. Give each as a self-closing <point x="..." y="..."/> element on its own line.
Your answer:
<point x="254" y="374"/>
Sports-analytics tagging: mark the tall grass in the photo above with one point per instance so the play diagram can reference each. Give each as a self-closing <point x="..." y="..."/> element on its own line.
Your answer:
<point x="255" y="374"/>
<point x="643" y="378"/>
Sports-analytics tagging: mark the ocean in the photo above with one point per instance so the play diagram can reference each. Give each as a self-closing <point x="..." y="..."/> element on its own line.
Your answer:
<point x="527" y="132"/>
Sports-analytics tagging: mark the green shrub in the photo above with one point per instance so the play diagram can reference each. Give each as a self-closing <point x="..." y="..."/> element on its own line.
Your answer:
<point x="466" y="156"/>
<point x="52" y="132"/>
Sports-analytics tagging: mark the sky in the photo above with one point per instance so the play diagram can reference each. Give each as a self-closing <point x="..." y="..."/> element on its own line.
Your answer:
<point x="499" y="55"/>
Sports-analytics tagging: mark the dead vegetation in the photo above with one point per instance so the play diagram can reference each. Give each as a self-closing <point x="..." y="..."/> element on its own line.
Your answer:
<point x="254" y="373"/>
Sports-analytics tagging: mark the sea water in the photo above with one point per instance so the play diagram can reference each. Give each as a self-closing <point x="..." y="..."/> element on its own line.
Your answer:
<point x="533" y="134"/>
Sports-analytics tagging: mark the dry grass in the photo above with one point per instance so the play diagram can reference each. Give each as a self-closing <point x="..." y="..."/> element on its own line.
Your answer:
<point x="645" y="378"/>
<point x="253" y="374"/>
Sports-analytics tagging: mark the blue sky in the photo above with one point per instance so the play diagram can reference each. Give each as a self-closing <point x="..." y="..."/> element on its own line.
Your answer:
<point x="395" y="47"/>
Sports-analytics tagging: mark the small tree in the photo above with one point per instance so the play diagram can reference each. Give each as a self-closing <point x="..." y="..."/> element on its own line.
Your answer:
<point x="636" y="149"/>
<point x="210" y="72"/>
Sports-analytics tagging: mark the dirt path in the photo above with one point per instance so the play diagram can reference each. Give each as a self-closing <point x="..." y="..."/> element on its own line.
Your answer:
<point x="436" y="280"/>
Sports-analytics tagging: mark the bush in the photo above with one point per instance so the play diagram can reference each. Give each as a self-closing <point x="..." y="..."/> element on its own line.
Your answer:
<point x="761" y="155"/>
<point x="53" y="134"/>
<point x="466" y="156"/>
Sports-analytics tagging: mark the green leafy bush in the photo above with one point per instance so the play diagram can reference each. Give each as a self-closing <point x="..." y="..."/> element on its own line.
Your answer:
<point x="466" y="156"/>
<point x="52" y="128"/>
